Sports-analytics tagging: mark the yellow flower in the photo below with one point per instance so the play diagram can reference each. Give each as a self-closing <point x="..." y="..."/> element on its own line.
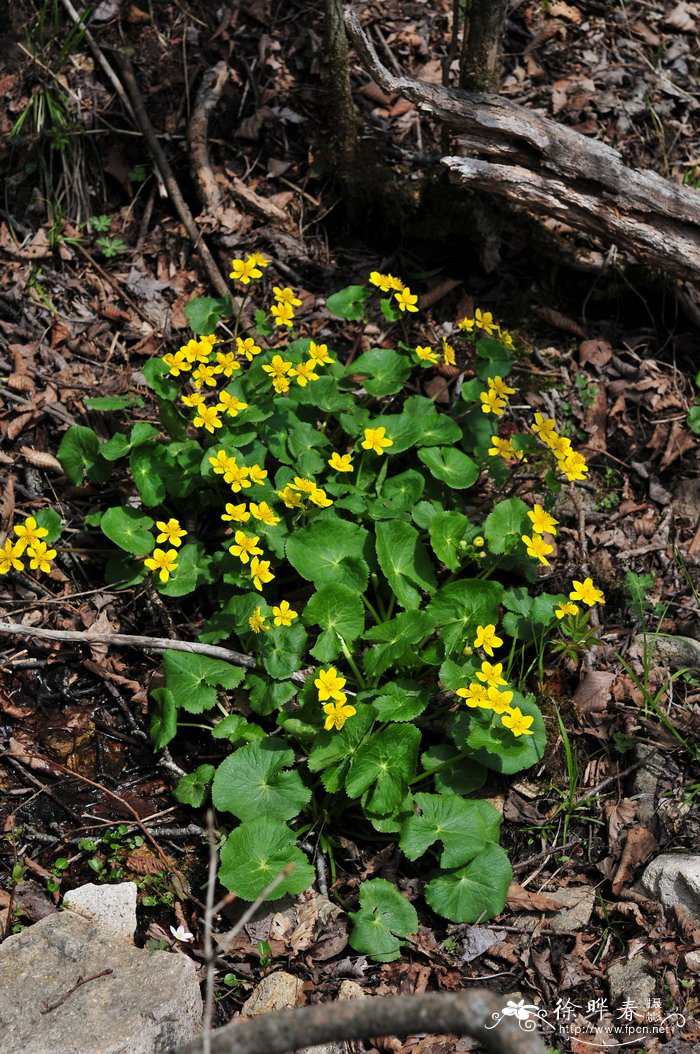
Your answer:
<point x="505" y="449"/>
<point x="559" y="445"/>
<point x="204" y="375"/>
<point x="426" y="354"/>
<point x="39" y="556"/>
<point x="587" y="593"/>
<point x="376" y="439"/>
<point x="484" y="320"/>
<point x="222" y="463"/>
<point x="285" y="295"/>
<point x="10" y="557"/>
<point x="176" y="364"/>
<point x="226" y="363"/>
<point x="466" y="324"/>
<point x="448" y="354"/>
<point x="545" y="428"/>
<point x="230" y="404"/>
<point x="306" y="486"/>
<point x="237" y="476"/>
<point x="517" y="722"/>
<point x="291" y="498"/>
<point x="486" y="638"/>
<point x="474" y="695"/>
<point x="281" y="384"/>
<point x="260" y="572"/>
<point x="491" y="404"/>
<point x="499" y="702"/>
<point x="505" y="338"/>
<point x="259" y="259"/>
<point x="406" y="300"/>
<point x="210" y="338"/>
<point x="319" y="498"/>
<point x="499" y="386"/>
<point x="382" y="281"/>
<point x="337" y="714"/>
<point x="257" y="474"/>
<point x="163" y="562"/>
<point x="284" y="616"/>
<point x="491" y="674"/>
<point x="341" y="462"/>
<point x="574" y="467"/>
<point x="195" y="400"/>
<point x="478" y="542"/>
<point x="244" y="270"/>
<point x="538" y="548"/>
<point x="248" y="348"/>
<point x="319" y="353"/>
<point x="207" y="416"/>
<point x="278" y="367"/>
<point x="283" y="314"/>
<point x="28" y="533"/>
<point x="566" y="608"/>
<point x="330" y="684"/>
<point x="170" y="532"/>
<point x="542" y="522"/>
<point x="304" y="373"/>
<point x="264" y="513"/>
<point x="246" y="545"/>
<point x="235" y="513"/>
<point x="257" y="622"/>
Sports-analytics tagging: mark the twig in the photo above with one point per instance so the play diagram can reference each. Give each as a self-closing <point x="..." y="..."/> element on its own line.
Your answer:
<point x="48" y="1007"/>
<point x="475" y="1013"/>
<point x="163" y="165"/>
<point x="132" y="640"/>
<point x="99" y="55"/>
<point x="208" y="95"/>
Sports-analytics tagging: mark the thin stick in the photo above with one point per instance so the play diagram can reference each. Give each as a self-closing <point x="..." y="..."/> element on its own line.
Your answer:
<point x="132" y="640"/>
<point x="100" y="56"/>
<point x="475" y="1013"/>
<point x="163" y="165"/>
<point x="48" y="1007"/>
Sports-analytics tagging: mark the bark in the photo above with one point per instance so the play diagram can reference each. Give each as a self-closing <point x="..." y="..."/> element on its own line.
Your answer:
<point x="480" y="66"/>
<point x="342" y="119"/>
<point x="550" y="170"/>
<point x="473" y="1013"/>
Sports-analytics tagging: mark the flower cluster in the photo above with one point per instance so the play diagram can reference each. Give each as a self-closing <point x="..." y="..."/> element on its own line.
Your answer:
<point x="282" y="615"/>
<point x="426" y="354"/>
<point x="570" y="461"/>
<point x="30" y="545"/>
<point x="164" y="561"/>
<point x="337" y="710"/>
<point x="483" y="320"/>
<point x="542" y="524"/>
<point x="495" y="399"/>
<point x="244" y="271"/>
<point x="490" y="690"/>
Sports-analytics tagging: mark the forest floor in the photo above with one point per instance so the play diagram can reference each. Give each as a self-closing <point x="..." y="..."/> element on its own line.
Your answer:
<point x="608" y="350"/>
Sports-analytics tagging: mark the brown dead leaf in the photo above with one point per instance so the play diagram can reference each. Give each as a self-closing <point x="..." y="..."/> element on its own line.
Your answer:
<point x="683" y="17"/>
<point x="41" y="459"/>
<point x="595" y="418"/>
<point x="561" y="10"/>
<point x="37" y="249"/>
<point x="520" y="899"/>
<point x="375" y="94"/>
<point x="619" y="815"/>
<point x="679" y="442"/>
<point x="593" y="693"/>
<point x="597" y="352"/>
<point x="639" y="846"/>
<point x="558" y="321"/>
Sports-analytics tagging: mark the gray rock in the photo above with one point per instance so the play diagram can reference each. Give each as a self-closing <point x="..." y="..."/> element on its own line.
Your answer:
<point x="148" y="1004"/>
<point x="630" y="979"/>
<point x="112" y="908"/>
<point x="674" y="878"/>
<point x="281" y="991"/>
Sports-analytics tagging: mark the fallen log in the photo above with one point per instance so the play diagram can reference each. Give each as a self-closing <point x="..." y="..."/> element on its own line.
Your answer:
<point x="553" y="171"/>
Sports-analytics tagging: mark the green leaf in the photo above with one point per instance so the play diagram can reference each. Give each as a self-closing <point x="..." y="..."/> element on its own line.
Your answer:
<point x="255" y="854"/>
<point x="257" y="780"/>
<point x="450" y="466"/>
<point x="399" y="494"/>
<point x="505" y="525"/>
<point x="281" y="650"/>
<point x="192" y="679"/>
<point x="192" y="569"/>
<point x="446" y="532"/>
<point x="205" y="312"/>
<point x="693" y="420"/>
<point x="157" y="376"/>
<point x="394" y="639"/>
<point x="329" y="550"/>
<point x="235" y="729"/>
<point x="494" y="745"/>
<point x="122" y="571"/>
<point x="349" y="303"/>
<point x="333" y="751"/>
<point x="463" y="827"/>
<point x="129" y="529"/>
<point x="401" y="700"/>
<point x="405" y="562"/>
<point x="459" y="607"/>
<point x="192" y="789"/>
<point x="148" y="464"/>
<point x="387" y="763"/>
<point x="112" y="402"/>
<point x="78" y="452"/>
<point x="164" y="720"/>
<point x="460" y="776"/>
<point x="339" y="611"/>
<point x="385" y="369"/>
<point x="475" y="892"/>
<point x="383" y="918"/>
<point x="266" y="696"/>
<point x="51" y="522"/>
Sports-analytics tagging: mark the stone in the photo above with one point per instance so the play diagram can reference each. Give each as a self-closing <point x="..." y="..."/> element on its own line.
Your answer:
<point x="277" y="991"/>
<point x="674" y="878"/>
<point x="148" y="1002"/>
<point x="112" y="908"/>
<point x="630" y="979"/>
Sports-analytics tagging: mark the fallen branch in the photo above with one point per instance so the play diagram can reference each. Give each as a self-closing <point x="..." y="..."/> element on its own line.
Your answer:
<point x="163" y="165"/>
<point x="552" y="170"/>
<point x="208" y="95"/>
<point x="131" y="640"/>
<point x="472" y="1013"/>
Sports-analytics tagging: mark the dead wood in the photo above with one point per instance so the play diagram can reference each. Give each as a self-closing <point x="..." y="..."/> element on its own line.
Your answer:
<point x="551" y="170"/>
<point x="473" y="1013"/>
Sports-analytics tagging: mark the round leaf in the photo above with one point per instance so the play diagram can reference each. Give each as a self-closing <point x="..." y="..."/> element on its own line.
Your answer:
<point x="255" y="853"/>
<point x="256" y="781"/>
<point x="477" y="891"/>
